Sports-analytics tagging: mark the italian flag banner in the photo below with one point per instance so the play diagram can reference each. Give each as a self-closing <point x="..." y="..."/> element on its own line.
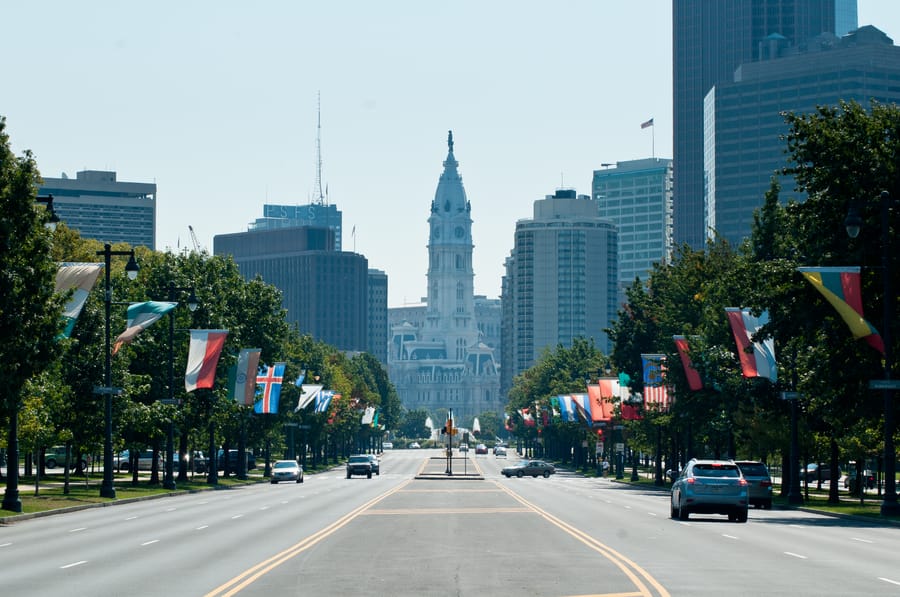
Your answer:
<point x="203" y="356"/>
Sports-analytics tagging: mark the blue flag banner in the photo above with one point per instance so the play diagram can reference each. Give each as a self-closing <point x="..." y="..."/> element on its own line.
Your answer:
<point x="269" y="389"/>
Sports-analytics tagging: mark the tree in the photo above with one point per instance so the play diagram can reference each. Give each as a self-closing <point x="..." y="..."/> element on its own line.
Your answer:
<point x="412" y="425"/>
<point x="30" y="310"/>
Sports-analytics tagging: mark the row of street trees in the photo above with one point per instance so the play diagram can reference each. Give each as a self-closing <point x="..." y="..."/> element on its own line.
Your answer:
<point x="840" y="156"/>
<point x="48" y="384"/>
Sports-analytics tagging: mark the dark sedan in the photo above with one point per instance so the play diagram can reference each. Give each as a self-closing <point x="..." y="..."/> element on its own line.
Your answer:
<point x="533" y="468"/>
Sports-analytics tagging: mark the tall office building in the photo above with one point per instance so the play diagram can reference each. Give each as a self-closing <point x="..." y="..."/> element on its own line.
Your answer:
<point x="443" y="363"/>
<point x="317" y="214"/>
<point x="743" y="124"/>
<point x="324" y="291"/>
<point x="378" y="314"/>
<point x="561" y="280"/>
<point x="636" y="196"/>
<point x="710" y="39"/>
<point x="98" y="206"/>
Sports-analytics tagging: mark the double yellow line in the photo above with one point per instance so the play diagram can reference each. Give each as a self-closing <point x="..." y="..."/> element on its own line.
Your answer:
<point x="242" y="580"/>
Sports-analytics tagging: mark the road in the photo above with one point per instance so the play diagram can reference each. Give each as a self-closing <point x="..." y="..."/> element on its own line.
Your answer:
<point x="397" y="535"/>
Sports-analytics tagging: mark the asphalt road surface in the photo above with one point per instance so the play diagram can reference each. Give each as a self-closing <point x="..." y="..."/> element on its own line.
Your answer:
<point x="395" y="535"/>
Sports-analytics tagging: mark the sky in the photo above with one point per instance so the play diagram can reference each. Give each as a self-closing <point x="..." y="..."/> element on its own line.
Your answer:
<point x="217" y="103"/>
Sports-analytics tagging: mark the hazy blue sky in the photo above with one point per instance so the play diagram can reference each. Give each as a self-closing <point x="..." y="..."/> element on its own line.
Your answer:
<point x="216" y="103"/>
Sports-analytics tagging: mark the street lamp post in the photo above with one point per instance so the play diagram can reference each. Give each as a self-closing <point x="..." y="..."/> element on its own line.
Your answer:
<point x="853" y="223"/>
<point x="620" y="451"/>
<point x="107" y="489"/>
<point x="169" y="477"/>
<point x="794" y="495"/>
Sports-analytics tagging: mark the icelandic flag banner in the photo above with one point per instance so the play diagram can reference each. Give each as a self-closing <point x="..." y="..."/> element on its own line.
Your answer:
<point x="140" y="317"/>
<point x="308" y="393"/>
<point x="242" y="386"/>
<point x="760" y="362"/>
<point x="841" y="287"/>
<point x="268" y="395"/>
<point x="323" y="400"/>
<point x="693" y="377"/>
<point x="203" y="356"/>
<point x="81" y="278"/>
<point x="655" y="392"/>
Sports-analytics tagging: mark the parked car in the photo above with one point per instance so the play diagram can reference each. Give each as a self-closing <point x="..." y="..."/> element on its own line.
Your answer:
<point x="759" y="483"/>
<point x="814" y="472"/>
<point x="387" y="446"/>
<point x="868" y="479"/>
<point x="481" y="449"/>
<point x="359" y="464"/>
<point x="56" y="456"/>
<point x="195" y="462"/>
<point x="415" y="445"/>
<point x="463" y="447"/>
<point x="233" y="460"/>
<point x="287" y="470"/>
<point x="710" y="487"/>
<point x="376" y="463"/>
<point x="144" y="461"/>
<point x="500" y="451"/>
<point x="529" y="467"/>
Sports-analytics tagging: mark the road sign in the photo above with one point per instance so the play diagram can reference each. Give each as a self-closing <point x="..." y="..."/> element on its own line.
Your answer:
<point x="620" y="447"/>
<point x="884" y="384"/>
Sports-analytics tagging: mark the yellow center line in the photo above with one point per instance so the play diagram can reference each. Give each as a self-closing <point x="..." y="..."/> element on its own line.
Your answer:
<point x="250" y="575"/>
<point x="430" y="511"/>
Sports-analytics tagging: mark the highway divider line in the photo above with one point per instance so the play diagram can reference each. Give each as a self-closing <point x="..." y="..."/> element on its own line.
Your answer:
<point x="631" y="569"/>
<point x="250" y="575"/>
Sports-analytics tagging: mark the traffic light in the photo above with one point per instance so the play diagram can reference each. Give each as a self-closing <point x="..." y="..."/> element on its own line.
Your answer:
<point x="449" y="427"/>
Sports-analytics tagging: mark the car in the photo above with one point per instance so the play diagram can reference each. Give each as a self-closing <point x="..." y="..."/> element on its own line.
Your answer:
<point x="463" y="447"/>
<point x="287" y="470"/>
<point x="359" y="464"/>
<point x="710" y="487"/>
<point x="533" y="468"/>
<point x="376" y="463"/>
<point x="815" y="472"/>
<point x="415" y="445"/>
<point x="387" y="446"/>
<point x="759" y="483"/>
<point x="56" y="456"/>
<point x="233" y="460"/>
<point x="481" y="449"/>
<point x="868" y="479"/>
<point x="144" y="461"/>
<point x="500" y="451"/>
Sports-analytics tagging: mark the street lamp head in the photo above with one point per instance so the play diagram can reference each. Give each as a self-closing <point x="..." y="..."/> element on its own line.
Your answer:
<point x="51" y="223"/>
<point x="192" y="301"/>
<point x="131" y="268"/>
<point x="853" y="221"/>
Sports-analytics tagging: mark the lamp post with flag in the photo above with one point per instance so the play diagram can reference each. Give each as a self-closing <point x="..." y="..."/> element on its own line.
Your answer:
<point x="192" y="303"/>
<point x="853" y="224"/>
<point x="107" y="488"/>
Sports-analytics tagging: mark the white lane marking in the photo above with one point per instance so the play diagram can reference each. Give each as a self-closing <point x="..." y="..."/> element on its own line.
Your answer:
<point x="795" y="555"/>
<point x="200" y="528"/>
<point x="203" y="502"/>
<point x="73" y="564"/>
<point x="893" y="582"/>
<point x="171" y="509"/>
<point x="149" y="542"/>
<point x="264" y="508"/>
<point x="131" y="518"/>
<point x="236" y="516"/>
<point x="862" y="540"/>
<point x="652" y="513"/>
<point x="285" y="502"/>
<point x="628" y="507"/>
<point x="5" y="544"/>
<point x="729" y="536"/>
<point x="78" y="529"/>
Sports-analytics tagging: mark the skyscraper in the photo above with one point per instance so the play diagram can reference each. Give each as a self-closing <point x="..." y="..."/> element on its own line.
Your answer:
<point x="443" y="363"/>
<point x="710" y="39"/>
<point x="98" y="206"/>
<point x="561" y="280"/>
<point x="317" y="214"/>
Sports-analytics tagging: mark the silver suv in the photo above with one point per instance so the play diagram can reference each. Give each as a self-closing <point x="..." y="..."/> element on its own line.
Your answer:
<point x="710" y="487"/>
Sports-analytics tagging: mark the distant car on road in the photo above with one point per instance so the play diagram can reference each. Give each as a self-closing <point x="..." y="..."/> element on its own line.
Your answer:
<point x="463" y="447"/>
<point x="710" y="487"/>
<point x="376" y="463"/>
<point x="287" y="470"/>
<point x="359" y="464"/>
<point x="532" y="468"/>
<point x="814" y="472"/>
<point x="415" y="445"/>
<point x="759" y="483"/>
<point x="387" y="446"/>
<point x="500" y="451"/>
<point x="481" y="449"/>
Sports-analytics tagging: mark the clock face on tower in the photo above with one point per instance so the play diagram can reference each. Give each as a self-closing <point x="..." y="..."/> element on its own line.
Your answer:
<point x="459" y="232"/>
<point x="436" y="231"/>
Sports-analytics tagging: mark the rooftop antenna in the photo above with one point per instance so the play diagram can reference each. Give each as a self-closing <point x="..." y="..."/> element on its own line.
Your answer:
<point x="320" y="197"/>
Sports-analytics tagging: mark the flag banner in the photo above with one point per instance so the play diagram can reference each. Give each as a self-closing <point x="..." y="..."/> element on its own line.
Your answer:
<point x="368" y="415"/>
<point x="203" y="356"/>
<point x="841" y="287"/>
<point x="267" y="398"/>
<point x="375" y="420"/>
<point x="140" y="317"/>
<point x="527" y="418"/>
<point x="583" y="407"/>
<point x="656" y="394"/>
<point x="647" y="124"/>
<point x="299" y="381"/>
<point x="761" y="361"/>
<point x="693" y="377"/>
<point x="323" y="400"/>
<point x="476" y="426"/>
<point x="308" y="393"/>
<point x="429" y="423"/>
<point x="508" y="423"/>
<point x="603" y="395"/>
<point x="567" y="409"/>
<point x="79" y="277"/>
<point x="242" y="377"/>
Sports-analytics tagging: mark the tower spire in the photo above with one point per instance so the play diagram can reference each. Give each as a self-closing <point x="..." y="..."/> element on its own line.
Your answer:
<point x="450" y="140"/>
<point x="320" y="197"/>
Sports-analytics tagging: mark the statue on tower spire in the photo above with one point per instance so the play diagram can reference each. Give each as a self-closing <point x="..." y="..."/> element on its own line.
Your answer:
<point x="450" y="140"/>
